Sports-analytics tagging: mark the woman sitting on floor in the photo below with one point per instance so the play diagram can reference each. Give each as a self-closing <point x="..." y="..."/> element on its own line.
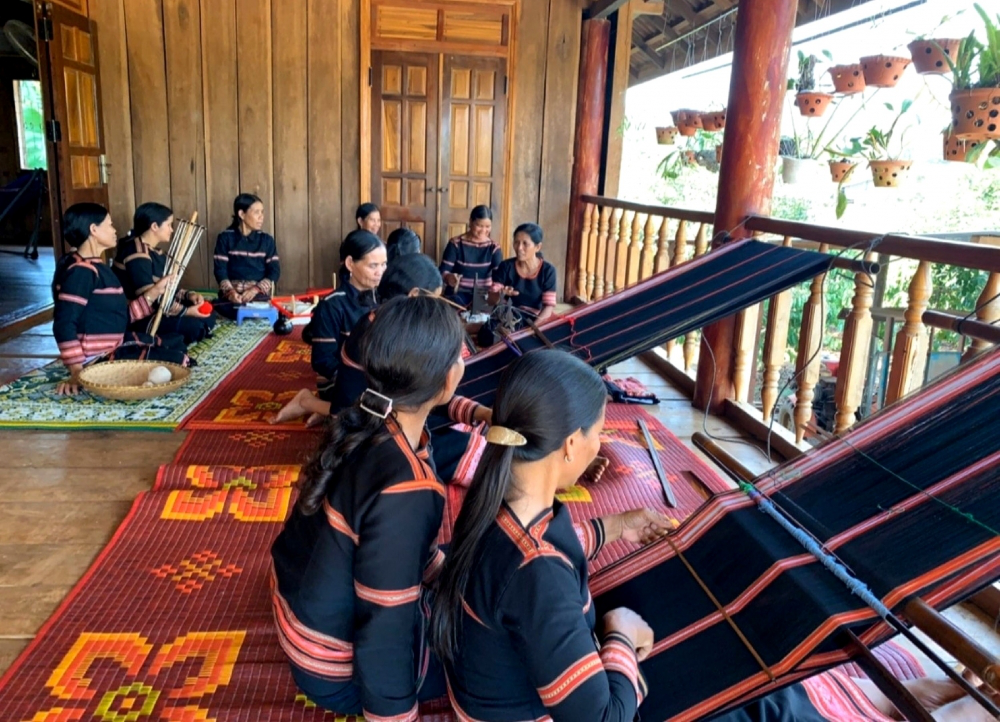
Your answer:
<point x="350" y="564"/>
<point x="369" y="219"/>
<point x="513" y="618"/>
<point x="528" y="279"/>
<point x="246" y="258"/>
<point x="140" y="263"/>
<point x="91" y="315"/>
<point x="470" y="259"/>
<point x="362" y="263"/>
<point x="402" y="242"/>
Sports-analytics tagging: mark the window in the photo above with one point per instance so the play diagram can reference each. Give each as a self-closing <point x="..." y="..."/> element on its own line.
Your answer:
<point x="30" y="124"/>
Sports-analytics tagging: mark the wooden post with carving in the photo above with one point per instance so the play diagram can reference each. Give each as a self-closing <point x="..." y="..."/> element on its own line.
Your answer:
<point x="779" y="311"/>
<point x="663" y="247"/>
<point x="853" y="367"/>
<point x="624" y="244"/>
<point x="649" y="249"/>
<point x="909" y="355"/>
<point x="632" y="274"/>
<point x="588" y="249"/>
<point x="807" y="364"/>
<point x="601" y="247"/>
<point x="761" y="50"/>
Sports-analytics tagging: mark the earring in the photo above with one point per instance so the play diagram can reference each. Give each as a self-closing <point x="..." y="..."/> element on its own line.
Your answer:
<point x="568" y="458"/>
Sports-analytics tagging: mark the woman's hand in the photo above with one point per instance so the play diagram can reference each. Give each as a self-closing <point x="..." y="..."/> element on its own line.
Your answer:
<point x="450" y="279"/>
<point x="250" y="294"/>
<point x="195" y="311"/>
<point x="72" y="386"/>
<point x="633" y="627"/>
<point x="159" y="287"/>
<point x="509" y="291"/>
<point x="483" y="415"/>
<point x="638" y="526"/>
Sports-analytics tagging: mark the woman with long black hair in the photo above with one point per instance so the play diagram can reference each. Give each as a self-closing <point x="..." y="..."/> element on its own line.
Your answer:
<point x="91" y="314"/>
<point x="527" y="279"/>
<point x="246" y="258"/>
<point x="469" y="260"/>
<point x="513" y="618"/>
<point x="140" y="262"/>
<point x="351" y="562"/>
<point x="362" y="257"/>
<point x="369" y="218"/>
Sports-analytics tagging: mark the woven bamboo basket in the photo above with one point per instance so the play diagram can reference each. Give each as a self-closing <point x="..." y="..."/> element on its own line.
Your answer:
<point x="123" y="380"/>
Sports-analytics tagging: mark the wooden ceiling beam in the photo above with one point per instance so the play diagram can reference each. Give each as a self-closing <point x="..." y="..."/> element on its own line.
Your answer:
<point x="686" y="11"/>
<point x="600" y="9"/>
<point x="649" y="53"/>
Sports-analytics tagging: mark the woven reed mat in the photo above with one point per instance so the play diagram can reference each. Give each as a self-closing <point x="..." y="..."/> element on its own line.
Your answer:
<point x="266" y="380"/>
<point x="250" y="447"/>
<point x="31" y="402"/>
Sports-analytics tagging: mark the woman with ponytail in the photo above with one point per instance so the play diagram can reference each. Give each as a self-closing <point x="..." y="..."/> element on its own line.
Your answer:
<point x="350" y="563"/>
<point x="140" y="263"/>
<point x="362" y="263"/>
<point x="513" y="619"/>
<point x="246" y="260"/>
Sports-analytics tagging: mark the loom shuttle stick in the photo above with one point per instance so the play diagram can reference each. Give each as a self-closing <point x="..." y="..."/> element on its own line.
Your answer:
<point x="892" y="688"/>
<point x="668" y="493"/>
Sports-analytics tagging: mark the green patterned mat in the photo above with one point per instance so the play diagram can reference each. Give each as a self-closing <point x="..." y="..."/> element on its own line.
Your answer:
<point x="31" y="403"/>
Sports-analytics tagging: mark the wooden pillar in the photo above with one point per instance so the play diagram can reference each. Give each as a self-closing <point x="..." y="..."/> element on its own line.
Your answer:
<point x="589" y="134"/>
<point x="746" y="178"/>
<point x="616" y="114"/>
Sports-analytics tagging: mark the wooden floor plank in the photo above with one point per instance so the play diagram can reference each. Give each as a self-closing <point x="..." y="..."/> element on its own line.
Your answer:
<point x="23" y="610"/>
<point x="90" y="449"/>
<point x="28" y="565"/>
<point x="60" y="484"/>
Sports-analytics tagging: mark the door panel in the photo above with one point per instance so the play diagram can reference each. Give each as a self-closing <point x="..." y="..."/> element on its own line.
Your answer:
<point x="71" y="76"/>
<point x="474" y="110"/>
<point x="404" y="140"/>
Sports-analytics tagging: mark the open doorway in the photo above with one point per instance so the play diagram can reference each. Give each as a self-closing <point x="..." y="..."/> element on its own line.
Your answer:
<point x="26" y="248"/>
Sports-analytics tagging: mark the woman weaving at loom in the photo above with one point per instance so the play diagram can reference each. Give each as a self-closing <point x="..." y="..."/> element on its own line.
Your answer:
<point x="246" y="258"/>
<point x="528" y="279"/>
<point x="91" y="315"/>
<point x="349" y="565"/>
<point x="140" y="263"/>
<point x="513" y="618"/>
<point x="469" y="260"/>
<point x="362" y="263"/>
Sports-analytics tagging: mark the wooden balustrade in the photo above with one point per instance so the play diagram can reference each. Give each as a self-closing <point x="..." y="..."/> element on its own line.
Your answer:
<point x="624" y="243"/>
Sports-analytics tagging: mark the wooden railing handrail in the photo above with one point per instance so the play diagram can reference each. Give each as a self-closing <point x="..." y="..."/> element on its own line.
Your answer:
<point x="677" y="214"/>
<point x="921" y="248"/>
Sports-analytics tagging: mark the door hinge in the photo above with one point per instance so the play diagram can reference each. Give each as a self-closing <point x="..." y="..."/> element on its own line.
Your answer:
<point x="45" y="27"/>
<point x="53" y="131"/>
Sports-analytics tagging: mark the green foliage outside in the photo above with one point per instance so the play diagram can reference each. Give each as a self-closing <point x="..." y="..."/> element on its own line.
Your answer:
<point x="31" y="131"/>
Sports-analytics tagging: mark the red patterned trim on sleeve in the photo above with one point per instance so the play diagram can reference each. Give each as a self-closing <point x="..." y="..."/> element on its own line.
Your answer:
<point x="570" y="680"/>
<point x="410" y="716"/>
<point x="387" y="598"/>
<point x="618" y="655"/>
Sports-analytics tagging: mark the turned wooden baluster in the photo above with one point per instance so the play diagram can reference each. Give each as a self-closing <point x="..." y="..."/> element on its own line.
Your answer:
<point x="909" y="355"/>
<point x="987" y="311"/>
<point x="663" y="247"/>
<point x="649" y="249"/>
<point x="745" y="341"/>
<point x="610" y="251"/>
<point x="853" y="367"/>
<point x="691" y="340"/>
<point x="588" y="249"/>
<point x="807" y="364"/>
<point x="680" y="255"/>
<point x="600" y="248"/>
<point x="624" y="244"/>
<point x="779" y="311"/>
<point x="634" y="253"/>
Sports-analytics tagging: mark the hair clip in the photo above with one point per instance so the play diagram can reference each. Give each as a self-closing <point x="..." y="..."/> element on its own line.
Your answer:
<point x="502" y="436"/>
<point x="375" y="403"/>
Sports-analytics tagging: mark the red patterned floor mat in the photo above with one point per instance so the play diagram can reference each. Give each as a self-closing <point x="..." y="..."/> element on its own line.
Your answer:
<point x="250" y="447"/>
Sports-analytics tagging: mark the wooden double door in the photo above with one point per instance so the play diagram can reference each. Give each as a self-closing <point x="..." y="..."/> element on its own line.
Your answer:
<point x="438" y="134"/>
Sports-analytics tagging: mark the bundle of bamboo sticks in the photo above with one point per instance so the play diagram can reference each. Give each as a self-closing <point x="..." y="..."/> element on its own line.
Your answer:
<point x="185" y="240"/>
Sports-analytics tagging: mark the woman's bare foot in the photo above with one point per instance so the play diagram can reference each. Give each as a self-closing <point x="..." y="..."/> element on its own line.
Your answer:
<point x="315" y="420"/>
<point x="963" y="710"/>
<point x="294" y="409"/>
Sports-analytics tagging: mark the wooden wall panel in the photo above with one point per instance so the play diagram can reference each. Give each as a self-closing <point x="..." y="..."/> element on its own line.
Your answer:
<point x="253" y="59"/>
<point x="221" y="117"/>
<point x="109" y="15"/>
<point x="149" y="110"/>
<point x="182" y="35"/>
<point x="324" y="103"/>
<point x="561" y="76"/>
<point x="350" y="138"/>
<point x="291" y="161"/>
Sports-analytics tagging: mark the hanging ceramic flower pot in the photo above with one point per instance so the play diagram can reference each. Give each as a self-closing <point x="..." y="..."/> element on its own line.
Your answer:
<point x="976" y="113"/>
<point x="689" y="122"/>
<point x="930" y="57"/>
<point x="848" y="79"/>
<point x="957" y="149"/>
<point x="795" y="171"/>
<point x="690" y="157"/>
<point x="889" y="173"/>
<point x="883" y="71"/>
<point x="840" y="168"/>
<point x="666" y="136"/>
<point x="714" y="121"/>
<point x="813" y="105"/>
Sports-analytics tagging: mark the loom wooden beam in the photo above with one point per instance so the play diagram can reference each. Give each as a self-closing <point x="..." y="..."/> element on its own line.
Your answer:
<point x="892" y="688"/>
<point x="588" y="145"/>
<point x="984" y="333"/>
<point x="746" y="179"/>
<point x="722" y="458"/>
<point x="954" y="641"/>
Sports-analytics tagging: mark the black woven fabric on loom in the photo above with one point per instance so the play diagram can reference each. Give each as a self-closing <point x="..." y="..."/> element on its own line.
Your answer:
<point x="909" y="500"/>
<point x="668" y="305"/>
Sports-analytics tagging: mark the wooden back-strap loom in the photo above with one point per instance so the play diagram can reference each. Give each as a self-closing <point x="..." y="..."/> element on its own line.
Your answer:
<point x="187" y="235"/>
<point x="666" y="306"/>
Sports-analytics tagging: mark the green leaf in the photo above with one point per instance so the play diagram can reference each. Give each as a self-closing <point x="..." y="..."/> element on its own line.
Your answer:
<point x="907" y="104"/>
<point x="829" y="55"/>
<point x="841" y="202"/>
<point x="890" y="107"/>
